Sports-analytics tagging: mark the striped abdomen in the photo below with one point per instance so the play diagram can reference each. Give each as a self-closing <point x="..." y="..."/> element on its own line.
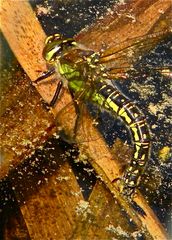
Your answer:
<point x="116" y="102"/>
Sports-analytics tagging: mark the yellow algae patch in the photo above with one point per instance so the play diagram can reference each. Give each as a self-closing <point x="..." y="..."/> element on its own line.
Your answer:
<point x="164" y="153"/>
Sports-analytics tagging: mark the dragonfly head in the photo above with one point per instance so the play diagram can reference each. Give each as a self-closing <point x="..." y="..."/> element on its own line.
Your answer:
<point x="56" y="46"/>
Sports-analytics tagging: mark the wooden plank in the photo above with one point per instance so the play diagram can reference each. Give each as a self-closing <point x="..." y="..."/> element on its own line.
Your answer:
<point x="108" y="172"/>
<point x="47" y="193"/>
<point x="102" y="218"/>
<point x="22" y="124"/>
<point x="20" y="27"/>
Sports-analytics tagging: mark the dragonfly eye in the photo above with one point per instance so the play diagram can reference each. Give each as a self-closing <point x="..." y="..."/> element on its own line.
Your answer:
<point x="52" y="52"/>
<point x="56" y="46"/>
<point x="52" y="38"/>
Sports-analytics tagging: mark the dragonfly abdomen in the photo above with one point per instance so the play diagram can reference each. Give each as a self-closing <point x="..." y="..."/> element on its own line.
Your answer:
<point x="115" y="102"/>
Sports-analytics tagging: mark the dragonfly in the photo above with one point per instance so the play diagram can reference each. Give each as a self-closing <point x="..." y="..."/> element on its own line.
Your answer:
<point x="86" y="74"/>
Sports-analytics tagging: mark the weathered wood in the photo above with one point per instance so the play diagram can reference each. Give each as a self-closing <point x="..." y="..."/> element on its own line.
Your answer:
<point x="20" y="27"/>
<point x="22" y="124"/>
<point x="108" y="168"/>
<point x="48" y="199"/>
<point x="102" y="218"/>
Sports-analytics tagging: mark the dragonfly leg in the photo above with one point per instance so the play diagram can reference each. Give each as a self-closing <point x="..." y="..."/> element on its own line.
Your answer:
<point x="78" y="109"/>
<point x="59" y="85"/>
<point x="78" y="116"/>
<point x="45" y="75"/>
<point x="57" y="92"/>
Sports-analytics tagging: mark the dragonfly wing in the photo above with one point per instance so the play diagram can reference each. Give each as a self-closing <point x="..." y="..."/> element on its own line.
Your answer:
<point x="65" y="122"/>
<point x="78" y="122"/>
<point x="85" y="125"/>
<point x="123" y="56"/>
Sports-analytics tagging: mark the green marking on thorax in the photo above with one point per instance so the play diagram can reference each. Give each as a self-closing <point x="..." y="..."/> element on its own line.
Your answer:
<point x="73" y="76"/>
<point x="76" y="83"/>
<point x="68" y="71"/>
<point x="97" y="98"/>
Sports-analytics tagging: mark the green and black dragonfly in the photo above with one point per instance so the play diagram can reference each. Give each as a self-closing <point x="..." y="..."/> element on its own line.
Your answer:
<point x="86" y="73"/>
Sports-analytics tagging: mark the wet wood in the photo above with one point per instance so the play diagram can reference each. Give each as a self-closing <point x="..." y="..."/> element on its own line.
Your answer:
<point x="102" y="219"/>
<point x="24" y="122"/>
<point x="21" y="33"/>
<point x="49" y="208"/>
<point x="47" y="195"/>
<point x="20" y="39"/>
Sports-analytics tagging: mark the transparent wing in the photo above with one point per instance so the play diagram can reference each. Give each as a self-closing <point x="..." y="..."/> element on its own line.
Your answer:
<point x="121" y="58"/>
<point x="78" y="125"/>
